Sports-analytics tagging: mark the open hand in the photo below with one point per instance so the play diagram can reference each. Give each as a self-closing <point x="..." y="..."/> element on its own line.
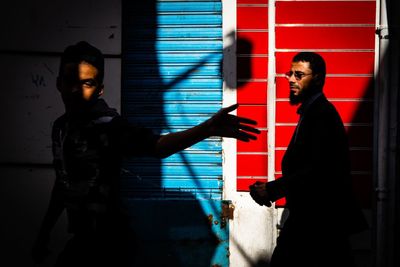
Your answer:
<point x="228" y="125"/>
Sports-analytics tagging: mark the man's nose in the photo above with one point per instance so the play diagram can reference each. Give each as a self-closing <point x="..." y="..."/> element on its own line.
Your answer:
<point x="291" y="78"/>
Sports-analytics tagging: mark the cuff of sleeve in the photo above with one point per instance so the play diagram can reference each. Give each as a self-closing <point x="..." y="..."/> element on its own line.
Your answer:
<point x="275" y="190"/>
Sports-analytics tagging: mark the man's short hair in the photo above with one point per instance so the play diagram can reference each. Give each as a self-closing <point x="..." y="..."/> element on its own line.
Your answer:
<point x="317" y="64"/>
<point x="83" y="51"/>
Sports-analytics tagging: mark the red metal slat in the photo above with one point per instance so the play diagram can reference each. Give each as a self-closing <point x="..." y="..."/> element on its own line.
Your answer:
<point x="244" y="183"/>
<point x="325" y="12"/>
<point x="252" y="17"/>
<point x="252" y="42"/>
<point x="252" y="93"/>
<point x="335" y="87"/>
<point x="280" y="203"/>
<point x="360" y="136"/>
<point x="361" y="160"/>
<point x="252" y="165"/>
<point x="355" y="112"/>
<point x="278" y="159"/>
<point x="363" y="184"/>
<point x="282" y="87"/>
<point x="283" y="134"/>
<point x="349" y="87"/>
<point x="257" y="113"/>
<point x="325" y="37"/>
<point x="252" y="2"/>
<point x="336" y="62"/>
<point x="285" y="112"/>
<point x="252" y="67"/>
<point x="259" y="145"/>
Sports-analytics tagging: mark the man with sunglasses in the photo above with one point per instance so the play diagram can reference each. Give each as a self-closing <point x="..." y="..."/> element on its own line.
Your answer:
<point x="89" y="141"/>
<point x="315" y="178"/>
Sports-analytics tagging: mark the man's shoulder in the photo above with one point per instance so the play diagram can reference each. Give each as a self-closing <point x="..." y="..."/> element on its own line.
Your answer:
<point x="60" y="121"/>
<point x="325" y="113"/>
<point x="323" y="106"/>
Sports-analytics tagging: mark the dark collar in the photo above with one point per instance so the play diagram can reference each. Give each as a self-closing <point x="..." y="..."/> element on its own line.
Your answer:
<point x="307" y="103"/>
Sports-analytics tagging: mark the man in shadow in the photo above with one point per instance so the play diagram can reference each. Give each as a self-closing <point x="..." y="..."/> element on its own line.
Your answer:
<point x="89" y="141"/>
<point x="315" y="178"/>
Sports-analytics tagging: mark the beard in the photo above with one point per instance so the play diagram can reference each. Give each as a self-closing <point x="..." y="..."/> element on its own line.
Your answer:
<point x="304" y="94"/>
<point x="294" y="100"/>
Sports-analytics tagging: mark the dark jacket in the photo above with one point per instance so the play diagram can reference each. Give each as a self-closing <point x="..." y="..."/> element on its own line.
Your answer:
<point x="87" y="151"/>
<point x="316" y="178"/>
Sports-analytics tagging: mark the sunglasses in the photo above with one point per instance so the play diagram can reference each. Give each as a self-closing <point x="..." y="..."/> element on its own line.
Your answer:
<point x="298" y="75"/>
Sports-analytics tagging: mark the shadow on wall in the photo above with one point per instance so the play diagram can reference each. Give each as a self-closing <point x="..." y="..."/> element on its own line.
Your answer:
<point x="180" y="227"/>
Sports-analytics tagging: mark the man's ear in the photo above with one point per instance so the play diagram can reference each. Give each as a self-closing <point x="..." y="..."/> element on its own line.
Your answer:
<point x="318" y="79"/>
<point x="100" y="90"/>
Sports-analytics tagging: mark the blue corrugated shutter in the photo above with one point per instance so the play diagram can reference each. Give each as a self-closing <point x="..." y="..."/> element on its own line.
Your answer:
<point x="172" y="80"/>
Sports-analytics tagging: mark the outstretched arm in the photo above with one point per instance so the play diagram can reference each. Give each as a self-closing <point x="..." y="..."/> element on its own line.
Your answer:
<point x="220" y="124"/>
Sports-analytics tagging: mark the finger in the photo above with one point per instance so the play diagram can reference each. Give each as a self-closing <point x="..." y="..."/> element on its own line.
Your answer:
<point x="259" y="186"/>
<point x="246" y="120"/>
<point x="230" y="108"/>
<point x="257" y="199"/>
<point x="260" y="200"/>
<point x="245" y="137"/>
<point x="253" y="187"/>
<point x="249" y="129"/>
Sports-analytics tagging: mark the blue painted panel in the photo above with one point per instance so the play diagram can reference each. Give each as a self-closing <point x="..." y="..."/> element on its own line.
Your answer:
<point x="143" y="188"/>
<point x="179" y="45"/>
<point x="172" y="108"/>
<point x="184" y="157"/>
<point x="191" y="45"/>
<point x="204" y="32"/>
<point x="189" y="19"/>
<point x="168" y="83"/>
<point x="198" y="32"/>
<point x="180" y="232"/>
<point x="174" y="57"/>
<point x="189" y="6"/>
<point x="173" y="81"/>
<point x="176" y="95"/>
<point x="175" y="183"/>
<point x="177" y="70"/>
<point x="194" y="171"/>
<point x="170" y="124"/>
<point x="190" y="183"/>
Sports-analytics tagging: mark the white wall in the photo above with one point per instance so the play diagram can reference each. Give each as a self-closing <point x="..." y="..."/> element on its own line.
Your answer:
<point x="253" y="231"/>
<point x="34" y="34"/>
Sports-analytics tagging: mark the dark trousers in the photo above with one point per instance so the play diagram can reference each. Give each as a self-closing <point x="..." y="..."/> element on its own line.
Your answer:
<point x="111" y="243"/>
<point x="96" y="251"/>
<point x="307" y="246"/>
